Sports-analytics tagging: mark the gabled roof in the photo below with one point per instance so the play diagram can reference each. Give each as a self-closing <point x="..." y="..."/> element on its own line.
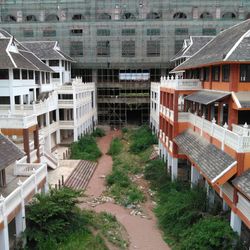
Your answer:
<point x="47" y="50"/>
<point x="191" y="46"/>
<point x="216" y="165"/>
<point x="229" y="45"/>
<point x="242" y="183"/>
<point x="14" y="55"/>
<point x="9" y="152"/>
<point x="242" y="99"/>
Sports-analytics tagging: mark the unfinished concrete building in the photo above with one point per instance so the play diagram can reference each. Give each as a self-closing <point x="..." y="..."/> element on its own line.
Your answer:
<point x="122" y="45"/>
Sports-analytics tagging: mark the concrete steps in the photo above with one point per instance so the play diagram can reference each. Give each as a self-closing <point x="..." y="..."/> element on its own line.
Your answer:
<point x="80" y="177"/>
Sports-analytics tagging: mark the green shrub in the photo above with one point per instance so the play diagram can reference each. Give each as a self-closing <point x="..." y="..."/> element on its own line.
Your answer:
<point x="142" y="139"/>
<point x="124" y="130"/>
<point x="98" y="132"/>
<point x="154" y="171"/>
<point x="118" y="177"/>
<point x="85" y="149"/>
<point x="209" y="233"/>
<point x="115" y="147"/>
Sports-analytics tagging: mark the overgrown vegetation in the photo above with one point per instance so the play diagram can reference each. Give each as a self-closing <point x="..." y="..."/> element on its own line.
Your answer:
<point x="126" y="164"/>
<point x="142" y="138"/>
<point x="85" y="149"/>
<point x="98" y="132"/>
<point x="183" y="215"/>
<point x="115" y="147"/>
<point x="55" y="222"/>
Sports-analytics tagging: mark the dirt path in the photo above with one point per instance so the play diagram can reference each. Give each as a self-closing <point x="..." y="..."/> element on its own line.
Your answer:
<point x="143" y="233"/>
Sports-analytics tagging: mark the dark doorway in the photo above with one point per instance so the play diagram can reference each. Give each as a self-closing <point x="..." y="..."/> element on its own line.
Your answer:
<point x="244" y="117"/>
<point x="134" y="117"/>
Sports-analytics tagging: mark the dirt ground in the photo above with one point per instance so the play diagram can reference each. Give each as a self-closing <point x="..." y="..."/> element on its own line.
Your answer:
<point x="142" y="231"/>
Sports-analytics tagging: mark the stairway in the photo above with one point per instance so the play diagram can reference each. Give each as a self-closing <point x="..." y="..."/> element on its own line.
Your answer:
<point x="50" y="159"/>
<point x="80" y="177"/>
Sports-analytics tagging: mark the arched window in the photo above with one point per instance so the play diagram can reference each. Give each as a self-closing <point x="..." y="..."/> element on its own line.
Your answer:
<point x="31" y="18"/>
<point x="228" y="15"/>
<point x="128" y="15"/>
<point x="104" y="16"/>
<point x="206" y="15"/>
<point x="10" y="18"/>
<point x="248" y="16"/>
<point x="180" y="15"/>
<point x="153" y="15"/>
<point x="77" y="17"/>
<point x="52" y="18"/>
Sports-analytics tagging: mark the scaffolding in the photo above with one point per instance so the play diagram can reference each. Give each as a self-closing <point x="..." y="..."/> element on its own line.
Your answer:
<point x="110" y="37"/>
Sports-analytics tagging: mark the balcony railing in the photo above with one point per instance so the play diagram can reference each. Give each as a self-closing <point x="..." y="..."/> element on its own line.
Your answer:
<point x="167" y="112"/>
<point x="181" y="84"/>
<point x="239" y="143"/>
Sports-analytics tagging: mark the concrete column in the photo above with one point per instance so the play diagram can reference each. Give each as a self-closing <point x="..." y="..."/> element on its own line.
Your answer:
<point x="235" y="223"/>
<point x="36" y="142"/>
<point x="210" y="194"/>
<point x="35" y="97"/>
<point x="26" y="144"/>
<point x="195" y="176"/>
<point x="169" y="163"/>
<point x="174" y="173"/>
<point x="4" y="233"/>
<point x="58" y="136"/>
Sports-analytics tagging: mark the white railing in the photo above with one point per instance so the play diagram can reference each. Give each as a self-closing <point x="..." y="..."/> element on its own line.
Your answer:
<point x="9" y="204"/>
<point x="226" y="137"/>
<point x="66" y="124"/>
<point x="65" y="103"/>
<point x="25" y="169"/>
<point x="244" y="206"/>
<point x="181" y="84"/>
<point x="17" y="121"/>
<point x="241" y="129"/>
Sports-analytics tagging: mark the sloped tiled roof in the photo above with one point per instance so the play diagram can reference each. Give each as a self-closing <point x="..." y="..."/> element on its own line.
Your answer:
<point x="45" y="50"/>
<point x="9" y="152"/>
<point x="243" y="99"/>
<point x="229" y="45"/>
<point x="242" y="183"/>
<point x="206" y="96"/>
<point x="211" y="160"/>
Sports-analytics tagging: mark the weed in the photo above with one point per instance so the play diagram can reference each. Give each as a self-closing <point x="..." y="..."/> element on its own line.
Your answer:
<point x="98" y="132"/>
<point x="115" y="147"/>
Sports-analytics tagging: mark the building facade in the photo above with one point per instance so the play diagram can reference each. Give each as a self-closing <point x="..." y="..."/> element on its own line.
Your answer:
<point x="116" y="43"/>
<point x="204" y="117"/>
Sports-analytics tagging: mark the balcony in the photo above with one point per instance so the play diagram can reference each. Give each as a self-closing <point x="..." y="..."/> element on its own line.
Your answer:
<point x="16" y="121"/>
<point x="181" y="84"/>
<point x="240" y="143"/>
<point x="66" y="124"/>
<point x="68" y="104"/>
<point x="167" y="113"/>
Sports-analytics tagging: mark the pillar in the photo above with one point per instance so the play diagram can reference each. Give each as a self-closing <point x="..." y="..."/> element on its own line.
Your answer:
<point x="169" y="163"/>
<point x="235" y="223"/>
<point x="36" y="142"/>
<point x="4" y="233"/>
<point x="26" y="143"/>
<point x="174" y="172"/>
<point x="195" y="176"/>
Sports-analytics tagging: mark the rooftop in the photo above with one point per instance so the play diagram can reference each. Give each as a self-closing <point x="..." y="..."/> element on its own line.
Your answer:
<point x="243" y="183"/>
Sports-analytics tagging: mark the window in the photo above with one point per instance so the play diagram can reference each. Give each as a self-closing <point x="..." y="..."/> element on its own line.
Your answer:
<point x="128" y="48"/>
<point x="28" y="33"/>
<point x="153" y="15"/>
<point x="128" y="32"/>
<point x="228" y="15"/>
<point x="216" y="73"/>
<point x="31" y="18"/>
<point x="43" y="77"/>
<point x="53" y="63"/>
<point x="52" y="18"/>
<point x="10" y="19"/>
<point x="104" y="16"/>
<point x="128" y="15"/>
<point x="16" y="74"/>
<point x="37" y="77"/>
<point x="24" y="74"/>
<point x="47" y="77"/>
<point x="103" y="48"/>
<point x="4" y="74"/>
<point x="206" y="73"/>
<point x="103" y="32"/>
<point x="206" y="15"/>
<point x="153" y="32"/>
<point x="208" y="32"/>
<point x="181" y="31"/>
<point x="153" y="48"/>
<point x="31" y="74"/>
<point x="245" y="72"/>
<point x="76" y="32"/>
<point x="55" y="75"/>
<point x="226" y="73"/>
<point x="180" y="15"/>
<point x="76" y="48"/>
<point x="178" y="45"/>
<point x="49" y="33"/>
<point x="78" y="17"/>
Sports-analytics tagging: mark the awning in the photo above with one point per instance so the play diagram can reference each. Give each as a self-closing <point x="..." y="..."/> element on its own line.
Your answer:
<point x="214" y="163"/>
<point x="206" y="97"/>
<point x="242" y="99"/>
<point x="242" y="183"/>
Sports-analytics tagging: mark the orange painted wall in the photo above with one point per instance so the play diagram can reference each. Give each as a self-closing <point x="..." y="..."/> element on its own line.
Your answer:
<point x="216" y="143"/>
<point x="223" y="86"/>
<point x="247" y="161"/>
<point x="244" y="86"/>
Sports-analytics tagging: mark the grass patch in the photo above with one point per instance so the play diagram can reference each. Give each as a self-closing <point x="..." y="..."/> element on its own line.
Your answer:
<point x="85" y="149"/>
<point x="115" y="147"/>
<point x="98" y="132"/>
